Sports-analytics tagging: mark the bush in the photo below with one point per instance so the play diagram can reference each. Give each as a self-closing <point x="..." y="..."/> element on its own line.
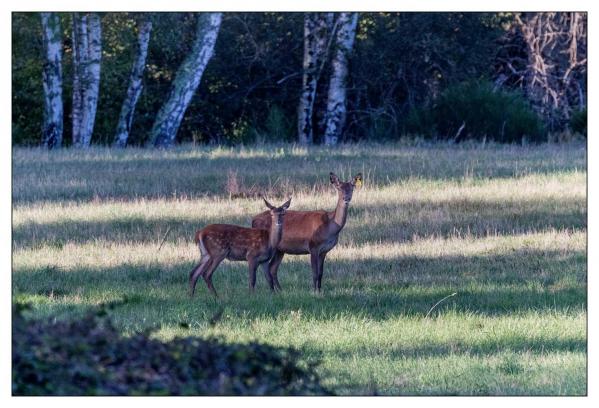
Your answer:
<point x="277" y="127"/>
<point x="420" y="122"/>
<point x="578" y="122"/>
<point x="88" y="356"/>
<point x="480" y="111"/>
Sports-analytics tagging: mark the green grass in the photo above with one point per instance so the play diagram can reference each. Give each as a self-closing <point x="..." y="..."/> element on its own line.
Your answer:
<point x="504" y="227"/>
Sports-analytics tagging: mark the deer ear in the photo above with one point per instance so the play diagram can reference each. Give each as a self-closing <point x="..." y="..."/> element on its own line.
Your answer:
<point x="269" y="205"/>
<point x="358" y="180"/>
<point x="286" y="205"/>
<point x="334" y="179"/>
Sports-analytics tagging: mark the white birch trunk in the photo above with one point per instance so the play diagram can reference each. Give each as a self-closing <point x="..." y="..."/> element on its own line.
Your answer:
<point x="87" y="55"/>
<point x="186" y="81"/>
<point x="79" y="60"/>
<point x="92" y="90"/>
<point x="316" y="27"/>
<point x="336" y="102"/>
<point x="135" y="85"/>
<point x="52" y="79"/>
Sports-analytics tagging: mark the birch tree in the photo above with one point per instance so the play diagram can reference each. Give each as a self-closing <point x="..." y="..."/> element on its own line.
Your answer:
<point x="52" y="79"/>
<point x="93" y="78"/>
<point x="135" y="84"/>
<point x="87" y="55"/>
<point x="79" y="34"/>
<point x="316" y="30"/>
<point x="186" y="81"/>
<point x="336" y="102"/>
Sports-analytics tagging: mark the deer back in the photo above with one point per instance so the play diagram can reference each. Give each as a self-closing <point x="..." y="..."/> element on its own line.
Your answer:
<point x="232" y="239"/>
<point x="299" y="228"/>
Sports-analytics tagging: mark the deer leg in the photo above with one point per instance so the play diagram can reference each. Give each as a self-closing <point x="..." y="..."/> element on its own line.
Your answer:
<point x="207" y="275"/>
<point x="196" y="272"/>
<point x="268" y="276"/>
<point x="320" y="267"/>
<point x="253" y="265"/>
<point x="273" y="268"/>
<point x="195" y="268"/>
<point x="314" y="263"/>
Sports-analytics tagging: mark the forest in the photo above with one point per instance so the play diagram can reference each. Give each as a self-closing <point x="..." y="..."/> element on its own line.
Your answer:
<point x="159" y="79"/>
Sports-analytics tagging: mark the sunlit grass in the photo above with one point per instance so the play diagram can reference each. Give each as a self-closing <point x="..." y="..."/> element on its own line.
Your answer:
<point x="503" y="227"/>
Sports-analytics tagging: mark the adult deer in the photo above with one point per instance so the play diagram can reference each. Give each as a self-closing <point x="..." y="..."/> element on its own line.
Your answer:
<point x="310" y="232"/>
<point x="220" y="241"/>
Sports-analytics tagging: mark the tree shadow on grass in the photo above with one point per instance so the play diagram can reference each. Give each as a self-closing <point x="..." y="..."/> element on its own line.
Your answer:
<point x="393" y="223"/>
<point x="119" y="176"/>
<point x="127" y="179"/>
<point x="463" y="217"/>
<point x="490" y="345"/>
<point x="130" y="229"/>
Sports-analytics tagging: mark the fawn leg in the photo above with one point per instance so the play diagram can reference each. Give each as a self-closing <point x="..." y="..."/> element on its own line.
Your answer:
<point x="273" y="268"/>
<point x="196" y="272"/>
<point x="253" y="265"/>
<point x="207" y="275"/>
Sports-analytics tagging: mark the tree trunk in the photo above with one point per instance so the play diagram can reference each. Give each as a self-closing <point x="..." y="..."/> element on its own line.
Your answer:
<point x="79" y="58"/>
<point x="556" y="52"/>
<point x="316" y="27"/>
<point x="336" y="104"/>
<point x="92" y="90"/>
<point x="52" y="78"/>
<point x="186" y="81"/>
<point x="135" y="84"/>
<point x="87" y="55"/>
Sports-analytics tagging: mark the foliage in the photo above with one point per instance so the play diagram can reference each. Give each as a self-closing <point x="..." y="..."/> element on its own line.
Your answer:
<point x="277" y="127"/>
<point x="578" y="122"/>
<point x="400" y="63"/>
<point x="252" y="84"/>
<point x="88" y="356"/>
<point x="405" y="60"/>
<point x="27" y="91"/>
<point x="475" y="110"/>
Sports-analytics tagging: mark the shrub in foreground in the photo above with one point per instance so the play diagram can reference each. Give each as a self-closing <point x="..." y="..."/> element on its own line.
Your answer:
<point x="88" y="356"/>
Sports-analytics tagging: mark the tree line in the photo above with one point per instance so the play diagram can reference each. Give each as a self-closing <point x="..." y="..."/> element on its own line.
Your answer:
<point x="156" y="79"/>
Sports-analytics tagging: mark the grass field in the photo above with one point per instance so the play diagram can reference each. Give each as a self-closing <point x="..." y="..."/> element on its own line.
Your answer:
<point x="503" y="227"/>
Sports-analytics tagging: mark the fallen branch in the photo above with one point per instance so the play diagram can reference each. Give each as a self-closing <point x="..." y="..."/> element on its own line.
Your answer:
<point x="446" y="297"/>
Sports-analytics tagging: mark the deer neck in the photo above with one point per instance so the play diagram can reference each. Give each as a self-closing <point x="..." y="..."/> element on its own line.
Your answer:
<point x="275" y="234"/>
<point x="340" y="214"/>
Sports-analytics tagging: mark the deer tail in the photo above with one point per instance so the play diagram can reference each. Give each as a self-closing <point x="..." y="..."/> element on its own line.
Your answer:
<point x="199" y="242"/>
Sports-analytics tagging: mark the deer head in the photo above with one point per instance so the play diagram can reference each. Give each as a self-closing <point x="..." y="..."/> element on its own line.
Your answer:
<point x="277" y="213"/>
<point x="346" y="189"/>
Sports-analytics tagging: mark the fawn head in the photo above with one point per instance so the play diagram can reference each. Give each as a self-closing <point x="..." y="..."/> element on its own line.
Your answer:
<point x="277" y="213"/>
<point x="346" y="189"/>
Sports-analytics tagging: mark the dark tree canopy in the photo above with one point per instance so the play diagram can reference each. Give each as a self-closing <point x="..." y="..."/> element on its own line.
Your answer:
<point x="401" y="63"/>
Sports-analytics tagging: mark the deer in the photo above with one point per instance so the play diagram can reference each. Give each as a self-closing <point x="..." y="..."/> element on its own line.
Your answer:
<point x="310" y="232"/>
<point x="224" y="241"/>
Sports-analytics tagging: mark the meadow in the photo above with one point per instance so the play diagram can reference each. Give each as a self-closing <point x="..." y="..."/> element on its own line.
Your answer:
<point x="501" y="226"/>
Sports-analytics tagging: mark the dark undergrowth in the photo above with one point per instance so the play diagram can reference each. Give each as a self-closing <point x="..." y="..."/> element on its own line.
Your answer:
<point x="89" y="356"/>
